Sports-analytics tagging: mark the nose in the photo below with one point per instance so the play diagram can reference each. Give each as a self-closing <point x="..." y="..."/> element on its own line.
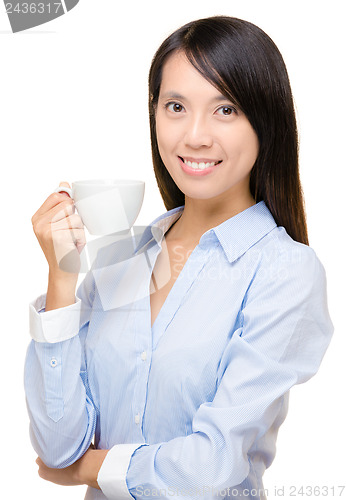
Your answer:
<point x="198" y="133"/>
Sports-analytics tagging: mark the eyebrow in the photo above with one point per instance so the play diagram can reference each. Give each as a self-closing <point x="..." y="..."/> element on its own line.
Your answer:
<point x="175" y="95"/>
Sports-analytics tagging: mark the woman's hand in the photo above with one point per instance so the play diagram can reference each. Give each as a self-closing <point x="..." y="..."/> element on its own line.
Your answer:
<point x="84" y="471"/>
<point x="65" y="477"/>
<point x="60" y="233"/>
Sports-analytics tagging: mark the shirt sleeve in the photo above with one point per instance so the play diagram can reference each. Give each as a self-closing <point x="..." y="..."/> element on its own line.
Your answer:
<point x="60" y="406"/>
<point x="56" y="325"/>
<point x="284" y="330"/>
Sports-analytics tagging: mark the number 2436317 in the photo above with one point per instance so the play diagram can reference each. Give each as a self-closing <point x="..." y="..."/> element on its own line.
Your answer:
<point x="33" y="8"/>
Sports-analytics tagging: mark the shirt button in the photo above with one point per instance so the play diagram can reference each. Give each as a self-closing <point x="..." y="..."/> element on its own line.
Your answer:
<point x="53" y="362"/>
<point x="144" y="355"/>
<point x="137" y="418"/>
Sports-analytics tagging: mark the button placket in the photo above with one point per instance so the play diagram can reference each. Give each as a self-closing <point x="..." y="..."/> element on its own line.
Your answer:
<point x="143" y="340"/>
<point x="53" y="362"/>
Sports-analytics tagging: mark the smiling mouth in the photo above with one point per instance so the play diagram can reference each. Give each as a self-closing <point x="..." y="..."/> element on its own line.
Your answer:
<point x="199" y="165"/>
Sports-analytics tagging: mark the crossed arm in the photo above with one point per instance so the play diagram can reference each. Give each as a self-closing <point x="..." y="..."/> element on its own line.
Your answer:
<point x="83" y="471"/>
<point x="275" y="348"/>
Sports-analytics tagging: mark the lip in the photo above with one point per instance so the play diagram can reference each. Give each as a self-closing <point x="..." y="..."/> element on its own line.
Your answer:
<point x="200" y="160"/>
<point x="196" y="172"/>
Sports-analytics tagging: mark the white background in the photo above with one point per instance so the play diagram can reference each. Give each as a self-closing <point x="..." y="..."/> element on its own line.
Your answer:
<point x="74" y="105"/>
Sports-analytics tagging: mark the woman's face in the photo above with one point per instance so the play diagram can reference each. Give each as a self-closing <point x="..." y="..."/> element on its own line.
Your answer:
<point x="207" y="145"/>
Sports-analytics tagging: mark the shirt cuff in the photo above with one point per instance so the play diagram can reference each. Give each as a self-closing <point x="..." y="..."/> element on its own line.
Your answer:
<point x="56" y="325"/>
<point x="112" y="474"/>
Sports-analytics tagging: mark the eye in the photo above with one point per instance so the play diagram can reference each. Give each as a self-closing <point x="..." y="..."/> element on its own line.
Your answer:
<point x="226" y="110"/>
<point x="175" y="107"/>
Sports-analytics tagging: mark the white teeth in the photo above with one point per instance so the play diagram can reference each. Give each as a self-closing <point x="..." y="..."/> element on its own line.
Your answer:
<point x="199" y="166"/>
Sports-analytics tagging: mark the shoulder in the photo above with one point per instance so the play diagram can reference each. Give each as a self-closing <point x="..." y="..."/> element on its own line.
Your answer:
<point x="285" y="312"/>
<point x="279" y="249"/>
<point x="283" y="262"/>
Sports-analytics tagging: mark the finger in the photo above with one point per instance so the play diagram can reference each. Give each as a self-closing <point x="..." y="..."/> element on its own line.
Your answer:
<point x="51" y="202"/>
<point x="70" y="222"/>
<point x="63" y="246"/>
<point x="65" y="184"/>
<point x="78" y="236"/>
<point x="59" y="212"/>
<point x="68" y="259"/>
<point x="80" y="240"/>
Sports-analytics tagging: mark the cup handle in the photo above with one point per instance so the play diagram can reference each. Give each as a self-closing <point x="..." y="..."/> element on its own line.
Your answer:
<point x="63" y="189"/>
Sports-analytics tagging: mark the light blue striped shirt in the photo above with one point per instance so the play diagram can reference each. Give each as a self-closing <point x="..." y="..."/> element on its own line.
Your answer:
<point x="191" y="406"/>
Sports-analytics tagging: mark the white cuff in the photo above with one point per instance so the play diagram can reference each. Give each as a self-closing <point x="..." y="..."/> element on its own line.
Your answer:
<point x="112" y="474"/>
<point x="56" y="325"/>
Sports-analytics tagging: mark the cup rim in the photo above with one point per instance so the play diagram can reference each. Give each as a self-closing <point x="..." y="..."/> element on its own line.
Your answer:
<point x="107" y="182"/>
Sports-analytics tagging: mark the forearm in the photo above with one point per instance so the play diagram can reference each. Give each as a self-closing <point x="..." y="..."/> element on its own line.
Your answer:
<point x="61" y="409"/>
<point x="89" y="466"/>
<point x="62" y="415"/>
<point x="84" y="471"/>
<point x="61" y="289"/>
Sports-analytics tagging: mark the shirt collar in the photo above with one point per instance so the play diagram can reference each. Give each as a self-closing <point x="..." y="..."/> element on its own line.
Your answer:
<point x="236" y="235"/>
<point x="242" y="231"/>
<point x="159" y="227"/>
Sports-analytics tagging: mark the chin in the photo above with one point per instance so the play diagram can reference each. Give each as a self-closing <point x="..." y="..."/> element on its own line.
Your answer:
<point x="201" y="195"/>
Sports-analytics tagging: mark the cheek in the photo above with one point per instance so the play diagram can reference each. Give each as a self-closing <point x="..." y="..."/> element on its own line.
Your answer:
<point x="167" y="137"/>
<point x="253" y="146"/>
<point x="161" y="133"/>
<point x="244" y="143"/>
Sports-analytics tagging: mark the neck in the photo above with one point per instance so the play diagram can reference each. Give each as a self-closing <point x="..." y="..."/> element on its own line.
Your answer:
<point x="201" y="215"/>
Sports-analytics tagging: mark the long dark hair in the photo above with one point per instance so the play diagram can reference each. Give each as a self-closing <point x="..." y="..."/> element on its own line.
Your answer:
<point x="245" y="65"/>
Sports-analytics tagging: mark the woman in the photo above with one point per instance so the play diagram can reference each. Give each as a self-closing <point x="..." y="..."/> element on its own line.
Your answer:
<point x="185" y="383"/>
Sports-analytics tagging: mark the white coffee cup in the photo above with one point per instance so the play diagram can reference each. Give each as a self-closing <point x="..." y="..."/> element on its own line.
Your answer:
<point x="107" y="206"/>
